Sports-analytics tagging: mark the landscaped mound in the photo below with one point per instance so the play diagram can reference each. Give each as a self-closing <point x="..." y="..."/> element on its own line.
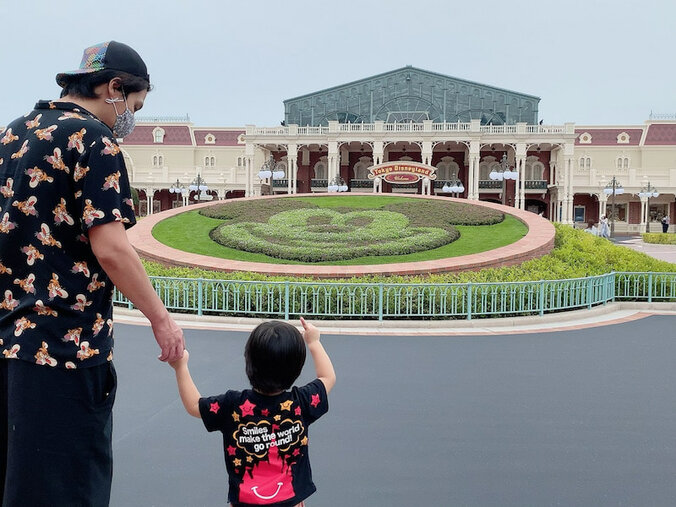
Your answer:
<point x="301" y="229"/>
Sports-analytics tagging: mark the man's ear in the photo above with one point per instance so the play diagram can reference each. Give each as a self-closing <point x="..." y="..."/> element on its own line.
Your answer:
<point x="114" y="88"/>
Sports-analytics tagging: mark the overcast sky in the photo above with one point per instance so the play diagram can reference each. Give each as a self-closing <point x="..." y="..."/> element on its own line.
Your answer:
<point x="232" y="63"/>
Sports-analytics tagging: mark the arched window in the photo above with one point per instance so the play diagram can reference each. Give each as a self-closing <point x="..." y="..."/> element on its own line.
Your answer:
<point x="361" y="168"/>
<point x="447" y="169"/>
<point x="158" y="135"/>
<point x="320" y="169"/>
<point x="588" y="163"/>
<point x="534" y="171"/>
<point x="161" y="161"/>
<point x="619" y="163"/>
<point x="626" y="163"/>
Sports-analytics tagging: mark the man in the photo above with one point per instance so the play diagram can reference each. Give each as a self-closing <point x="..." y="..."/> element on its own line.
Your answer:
<point x="64" y="205"/>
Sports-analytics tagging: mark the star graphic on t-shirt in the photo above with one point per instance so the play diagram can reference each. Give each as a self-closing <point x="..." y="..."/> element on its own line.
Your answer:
<point x="235" y="416"/>
<point x="214" y="407"/>
<point x="304" y="441"/>
<point x="247" y="408"/>
<point x="275" y="427"/>
<point x="296" y="452"/>
<point x="297" y="411"/>
<point x="249" y="459"/>
<point x="231" y="450"/>
<point x="265" y="412"/>
<point x="315" y="400"/>
<point x="286" y="405"/>
<point x="237" y="462"/>
<point x="278" y="417"/>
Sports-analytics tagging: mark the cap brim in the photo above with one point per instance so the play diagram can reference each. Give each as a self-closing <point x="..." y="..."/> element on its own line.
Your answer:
<point x="61" y="77"/>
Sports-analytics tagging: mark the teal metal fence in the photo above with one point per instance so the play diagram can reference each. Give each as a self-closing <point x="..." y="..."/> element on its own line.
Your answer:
<point x="329" y="300"/>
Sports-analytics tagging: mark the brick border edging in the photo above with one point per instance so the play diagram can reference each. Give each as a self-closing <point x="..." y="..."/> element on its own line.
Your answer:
<point x="537" y="242"/>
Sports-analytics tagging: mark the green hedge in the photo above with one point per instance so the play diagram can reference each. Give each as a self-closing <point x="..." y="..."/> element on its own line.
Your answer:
<point x="659" y="238"/>
<point x="576" y="254"/>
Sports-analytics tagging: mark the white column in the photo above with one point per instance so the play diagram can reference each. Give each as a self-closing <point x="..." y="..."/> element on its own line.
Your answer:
<point x="568" y="151"/>
<point x="603" y="199"/>
<point x="292" y="167"/>
<point x="473" y="172"/>
<point x="333" y="160"/>
<point x="378" y="152"/>
<point x="150" y="192"/>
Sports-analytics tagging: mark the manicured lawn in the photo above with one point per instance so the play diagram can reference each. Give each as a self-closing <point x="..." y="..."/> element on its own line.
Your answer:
<point x="190" y="232"/>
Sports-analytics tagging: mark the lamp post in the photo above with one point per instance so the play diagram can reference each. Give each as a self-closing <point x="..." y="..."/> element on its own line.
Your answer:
<point x="456" y="187"/>
<point x="337" y="184"/>
<point x="648" y="191"/>
<point x="200" y="186"/>
<point x="269" y="170"/>
<point x="177" y="188"/>
<point x="613" y="188"/>
<point x="503" y="175"/>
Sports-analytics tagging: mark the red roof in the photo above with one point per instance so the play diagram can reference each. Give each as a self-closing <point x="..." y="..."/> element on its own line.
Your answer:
<point x="174" y="135"/>
<point x="608" y="137"/>
<point x="223" y="137"/>
<point x="661" y="133"/>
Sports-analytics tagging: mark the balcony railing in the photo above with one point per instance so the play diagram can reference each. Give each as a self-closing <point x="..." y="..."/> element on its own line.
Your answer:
<point x="426" y="126"/>
<point x="536" y="184"/>
<point x="319" y="183"/>
<point x="490" y="185"/>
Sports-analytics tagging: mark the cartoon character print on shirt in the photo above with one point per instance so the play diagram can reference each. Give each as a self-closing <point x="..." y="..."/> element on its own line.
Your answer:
<point x="7" y="189"/>
<point x="9" y="137"/>
<point x="6" y="224"/>
<point x="34" y="123"/>
<point x="61" y="214"/>
<point x="268" y="443"/>
<point x="9" y="303"/>
<point x="4" y="269"/>
<point x="75" y="141"/>
<point x="42" y="356"/>
<point x="26" y="283"/>
<point x="98" y="324"/>
<point x="41" y="309"/>
<point x="81" y="267"/>
<point x="80" y="172"/>
<point x="54" y="288"/>
<point x="73" y="335"/>
<point x="81" y="303"/>
<point x="110" y="147"/>
<point x="22" y="151"/>
<point x="46" y="238"/>
<point x="56" y="161"/>
<point x="27" y="207"/>
<point x="32" y="254"/>
<point x="86" y="352"/>
<point x="12" y="353"/>
<point x="37" y="176"/>
<point x="112" y="181"/>
<point x="46" y="134"/>
<point x="20" y="325"/>
<point x="90" y="213"/>
<point x="95" y="284"/>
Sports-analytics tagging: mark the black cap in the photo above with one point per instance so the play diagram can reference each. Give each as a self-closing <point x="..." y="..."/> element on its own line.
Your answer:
<point x="109" y="55"/>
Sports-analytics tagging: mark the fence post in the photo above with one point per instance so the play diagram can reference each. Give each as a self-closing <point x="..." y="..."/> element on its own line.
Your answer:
<point x="542" y="297"/>
<point x="199" y="297"/>
<point x="469" y="301"/>
<point x="590" y="289"/>
<point x="286" y="300"/>
<point x="380" y="301"/>
<point x="650" y="288"/>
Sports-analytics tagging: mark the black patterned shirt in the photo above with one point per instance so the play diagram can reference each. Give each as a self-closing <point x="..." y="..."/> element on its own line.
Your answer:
<point x="61" y="173"/>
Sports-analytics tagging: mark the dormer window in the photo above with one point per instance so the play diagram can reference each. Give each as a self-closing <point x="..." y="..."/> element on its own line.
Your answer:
<point x="158" y="135"/>
<point x="240" y="139"/>
<point x="209" y="139"/>
<point x="585" y="138"/>
<point x="623" y="138"/>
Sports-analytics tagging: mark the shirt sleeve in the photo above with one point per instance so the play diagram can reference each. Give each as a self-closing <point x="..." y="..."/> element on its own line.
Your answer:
<point x="102" y="189"/>
<point x="313" y="400"/>
<point x="214" y="410"/>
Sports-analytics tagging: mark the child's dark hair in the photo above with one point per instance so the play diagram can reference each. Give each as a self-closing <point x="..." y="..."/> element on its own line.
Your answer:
<point x="275" y="355"/>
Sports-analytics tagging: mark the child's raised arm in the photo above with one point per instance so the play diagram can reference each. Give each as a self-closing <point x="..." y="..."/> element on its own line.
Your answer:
<point x="323" y="365"/>
<point x="186" y="387"/>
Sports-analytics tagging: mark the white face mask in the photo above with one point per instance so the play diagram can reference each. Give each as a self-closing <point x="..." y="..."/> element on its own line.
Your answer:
<point x="125" y="122"/>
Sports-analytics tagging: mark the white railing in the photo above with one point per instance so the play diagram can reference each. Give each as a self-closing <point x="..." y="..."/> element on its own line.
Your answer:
<point x="427" y="126"/>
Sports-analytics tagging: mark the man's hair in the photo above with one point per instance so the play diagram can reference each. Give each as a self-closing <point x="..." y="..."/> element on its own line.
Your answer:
<point x="275" y="355"/>
<point x="84" y="85"/>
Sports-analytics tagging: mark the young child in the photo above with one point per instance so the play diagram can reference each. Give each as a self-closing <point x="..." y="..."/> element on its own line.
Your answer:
<point x="265" y="429"/>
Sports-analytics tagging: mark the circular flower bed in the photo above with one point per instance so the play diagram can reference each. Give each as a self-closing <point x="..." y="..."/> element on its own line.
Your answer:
<point x="298" y="229"/>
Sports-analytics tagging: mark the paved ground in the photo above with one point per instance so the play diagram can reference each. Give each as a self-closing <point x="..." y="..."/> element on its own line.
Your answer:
<point x="662" y="252"/>
<point x="574" y="417"/>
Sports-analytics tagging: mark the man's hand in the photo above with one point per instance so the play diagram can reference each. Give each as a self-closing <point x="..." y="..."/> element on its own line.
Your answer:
<point x="170" y="339"/>
<point x="180" y="362"/>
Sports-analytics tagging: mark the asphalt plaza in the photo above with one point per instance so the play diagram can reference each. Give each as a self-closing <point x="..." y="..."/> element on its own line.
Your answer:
<point x="572" y="417"/>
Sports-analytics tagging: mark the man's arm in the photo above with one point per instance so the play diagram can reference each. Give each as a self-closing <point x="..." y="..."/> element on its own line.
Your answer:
<point x="187" y="390"/>
<point x="121" y="263"/>
<point x="323" y="365"/>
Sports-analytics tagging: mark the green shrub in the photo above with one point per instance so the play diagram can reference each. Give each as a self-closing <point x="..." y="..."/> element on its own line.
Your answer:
<point x="659" y="238"/>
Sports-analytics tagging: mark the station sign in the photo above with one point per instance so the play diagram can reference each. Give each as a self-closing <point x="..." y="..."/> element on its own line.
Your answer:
<point x="402" y="172"/>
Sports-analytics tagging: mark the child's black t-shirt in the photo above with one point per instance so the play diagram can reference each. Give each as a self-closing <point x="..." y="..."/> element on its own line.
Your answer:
<point x="265" y="441"/>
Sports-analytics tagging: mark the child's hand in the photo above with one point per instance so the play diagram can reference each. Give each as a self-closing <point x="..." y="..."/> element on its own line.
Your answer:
<point x="183" y="361"/>
<point x="310" y="332"/>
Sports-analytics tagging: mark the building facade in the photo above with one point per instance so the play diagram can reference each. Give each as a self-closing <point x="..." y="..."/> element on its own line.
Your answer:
<point x="466" y="132"/>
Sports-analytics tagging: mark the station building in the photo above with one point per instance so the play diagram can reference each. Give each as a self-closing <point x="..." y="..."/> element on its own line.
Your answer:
<point x="465" y="134"/>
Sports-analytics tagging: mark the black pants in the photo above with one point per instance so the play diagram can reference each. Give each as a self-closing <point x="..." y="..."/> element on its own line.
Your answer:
<point x="665" y="227"/>
<point x="59" y="435"/>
